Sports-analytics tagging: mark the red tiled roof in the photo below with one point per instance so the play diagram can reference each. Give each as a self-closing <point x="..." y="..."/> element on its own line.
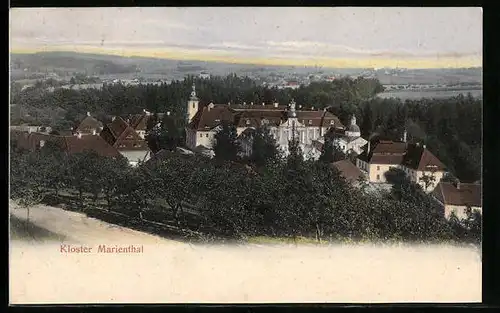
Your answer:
<point x="319" y="119"/>
<point x="208" y="118"/>
<point x="69" y="144"/>
<point x="419" y="158"/>
<point x="96" y="143"/>
<point x="120" y="135"/>
<point x="348" y="170"/>
<point x="255" y="117"/>
<point x="140" y="121"/>
<point x="88" y="124"/>
<point x="410" y="155"/>
<point x="468" y="194"/>
<point x="117" y="127"/>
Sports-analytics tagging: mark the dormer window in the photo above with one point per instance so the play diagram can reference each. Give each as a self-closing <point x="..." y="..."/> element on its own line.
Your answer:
<point x="310" y="122"/>
<point x="217" y="120"/>
<point x="248" y="122"/>
<point x="332" y="122"/>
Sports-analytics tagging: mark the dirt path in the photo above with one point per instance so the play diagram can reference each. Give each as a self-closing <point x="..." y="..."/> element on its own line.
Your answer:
<point x="167" y="271"/>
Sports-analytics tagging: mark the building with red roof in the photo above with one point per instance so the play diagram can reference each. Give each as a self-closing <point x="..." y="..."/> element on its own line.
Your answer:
<point x="413" y="158"/>
<point x="309" y="125"/>
<point x="457" y="197"/>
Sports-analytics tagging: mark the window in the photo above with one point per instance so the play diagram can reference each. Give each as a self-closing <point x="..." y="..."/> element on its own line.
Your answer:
<point x="331" y="122"/>
<point x="206" y="135"/>
<point x="194" y="105"/>
<point x="248" y="122"/>
<point x="201" y="135"/>
<point x="378" y="177"/>
<point x="378" y="168"/>
<point x="310" y="122"/>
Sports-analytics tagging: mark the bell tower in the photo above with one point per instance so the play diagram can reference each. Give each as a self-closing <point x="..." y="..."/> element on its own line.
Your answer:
<point x="192" y="105"/>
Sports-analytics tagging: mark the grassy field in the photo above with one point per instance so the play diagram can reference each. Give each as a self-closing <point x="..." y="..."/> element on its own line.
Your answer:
<point x="406" y="94"/>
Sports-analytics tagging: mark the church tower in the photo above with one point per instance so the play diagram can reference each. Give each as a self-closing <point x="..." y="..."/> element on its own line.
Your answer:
<point x="353" y="129"/>
<point x="192" y="105"/>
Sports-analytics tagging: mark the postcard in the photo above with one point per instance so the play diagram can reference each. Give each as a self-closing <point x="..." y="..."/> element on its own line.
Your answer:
<point x="245" y="155"/>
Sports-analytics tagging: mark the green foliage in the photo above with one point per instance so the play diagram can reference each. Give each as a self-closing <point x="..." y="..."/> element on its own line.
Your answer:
<point x="226" y="145"/>
<point x="288" y="197"/>
<point x="264" y="147"/>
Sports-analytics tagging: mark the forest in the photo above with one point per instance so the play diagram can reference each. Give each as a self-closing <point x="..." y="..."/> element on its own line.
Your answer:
<point x="451" y="128"/>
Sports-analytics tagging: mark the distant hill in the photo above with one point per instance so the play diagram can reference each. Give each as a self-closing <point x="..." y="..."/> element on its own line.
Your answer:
<point x="66" y="63"/>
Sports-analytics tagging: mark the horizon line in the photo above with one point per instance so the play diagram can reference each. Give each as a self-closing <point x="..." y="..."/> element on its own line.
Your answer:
<point x="339" y="63"/>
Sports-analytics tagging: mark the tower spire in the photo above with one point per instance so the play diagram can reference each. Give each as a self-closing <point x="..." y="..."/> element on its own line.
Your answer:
<point x="193" y="93"/>
<point x="292" y="112"/>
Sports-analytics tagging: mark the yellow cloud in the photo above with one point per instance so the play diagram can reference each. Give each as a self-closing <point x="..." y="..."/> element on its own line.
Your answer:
<point x="204" y="55"/>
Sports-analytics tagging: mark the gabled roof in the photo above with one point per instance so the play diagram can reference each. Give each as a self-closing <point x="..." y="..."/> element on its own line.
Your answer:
<point x="411" y="155"/>
<point x="385" y="152"/>
<point x="419" y="158"/>
<point x="255" y="118"/>
<point x="348" y="170"/>
<point x="120" y="135"/>
<point x="117" y="127"/>
<point x="88" y="124"/>
<point x="140" y="121"/>
<point x="69" y="144"/>
<point x="73" y="144"/>
<point x="319" y="119"/>
<point x="208" y="118"/>
<point x="466" y="195"/>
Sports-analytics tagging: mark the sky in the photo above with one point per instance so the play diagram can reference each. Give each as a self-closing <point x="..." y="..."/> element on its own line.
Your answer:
<point x="323" y="36"/>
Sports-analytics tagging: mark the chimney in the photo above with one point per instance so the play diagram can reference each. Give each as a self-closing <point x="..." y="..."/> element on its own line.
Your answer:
<point x="404" y="136"/>
<point x="79" y="135"/>
<point x="368" y="149"/>
<point x="93" y="132"/>
<point x="168" y="113"/>
<point x="457" y="184"/>
<point x="312" y="108"/>
<point x="113" y="118"/>
<point x="276" y="104"/>
<point x="29" y="130"/>
<point x="251" y="103"/>
<point x="88" y="113"/>
<point x="244" y="103"/>
<point x="423" y="146"/>
<point x="263" y="104"/>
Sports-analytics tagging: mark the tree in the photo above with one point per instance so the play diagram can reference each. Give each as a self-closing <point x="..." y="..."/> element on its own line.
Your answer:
<point x="327" y="151"/>
<point x="113" y="171"/>
<point x="166" y="136"/>
<point x="177" y="183"/>
<point x="226" y="146"/>
<point x="26" y="180"/>
<point x="54" y="166"/>
<point x="136" y="188"/>
<point x="264" y="147"/>
<point x="82" y="174"/>
<point x="428" y="179"/>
